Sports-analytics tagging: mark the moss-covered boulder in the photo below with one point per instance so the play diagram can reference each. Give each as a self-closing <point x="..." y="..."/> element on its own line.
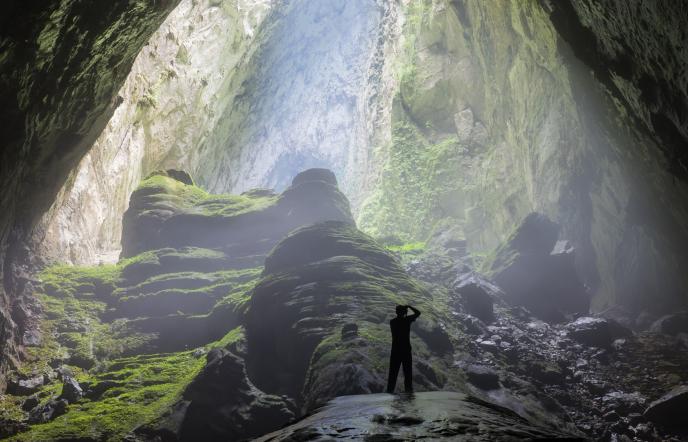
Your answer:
<point x="317" y="322"/>
<point x="220" y="404"/>
<point x="168" y="210"/>
<point x="538" y="272"/>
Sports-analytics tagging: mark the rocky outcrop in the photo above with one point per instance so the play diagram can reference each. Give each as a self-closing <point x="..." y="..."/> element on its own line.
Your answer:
<point x="62" y="68"/>
<point x="167" y="212"/>
<point x="670" y="410"/>
<point x="220" y="404"/>
<point x="672" y="324"/>
<point x="317" y="282"/>
<point x="539" y="273"/>
<point x="437" y="415"/>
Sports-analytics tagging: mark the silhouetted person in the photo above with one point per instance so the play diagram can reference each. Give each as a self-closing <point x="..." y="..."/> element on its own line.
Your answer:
<point x="401" y="348"/>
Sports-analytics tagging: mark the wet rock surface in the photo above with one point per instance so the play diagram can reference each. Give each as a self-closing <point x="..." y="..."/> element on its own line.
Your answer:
<point x="428" y="415"/>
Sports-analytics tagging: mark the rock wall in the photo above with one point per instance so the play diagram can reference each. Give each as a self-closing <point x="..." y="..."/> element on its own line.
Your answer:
<point x="309" y="100"/>
<point x="62" y="65"/>
<point x="495" y="117"/>
<point x="171" y="102"/>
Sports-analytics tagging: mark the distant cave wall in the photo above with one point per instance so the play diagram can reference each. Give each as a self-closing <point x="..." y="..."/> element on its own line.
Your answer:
<point x="62" y="64"/>
<point x="495" y="117"/>
<point x="638" y="50"/>
<point x="309" y="100"/>
<point x="171" y="101"/>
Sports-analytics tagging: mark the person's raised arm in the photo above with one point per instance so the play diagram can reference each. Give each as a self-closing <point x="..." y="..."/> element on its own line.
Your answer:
<point x="415" y="315"/>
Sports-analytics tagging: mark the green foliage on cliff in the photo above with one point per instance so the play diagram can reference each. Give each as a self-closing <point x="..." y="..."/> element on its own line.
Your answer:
<point x="161" y="190"/>
<point x="415" y="182"/>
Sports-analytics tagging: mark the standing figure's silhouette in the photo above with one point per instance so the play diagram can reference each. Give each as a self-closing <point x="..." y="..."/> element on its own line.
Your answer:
<point x="401" y="348"/>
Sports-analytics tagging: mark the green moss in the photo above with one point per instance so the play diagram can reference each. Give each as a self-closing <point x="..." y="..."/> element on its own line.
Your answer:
<point x="148" y="385"/>
<point x="408" y="247"/>
<point x="160" y="189"/>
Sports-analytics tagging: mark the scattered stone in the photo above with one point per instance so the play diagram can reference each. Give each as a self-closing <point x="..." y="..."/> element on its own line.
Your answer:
<point x="671" y="324"/>
<point x="199" y="352"/>
<point x="473" y="325"/>
<point x="482" y="376"/>
<point x="671" y="409"/>
<point x="624" y="403"/>
<point x="71" y="390"/>
<point x="476" y="294"/>
<point x="590" y="331"/>
<point x="24" y="387"/>
<point x="30" y="403"/>
<point x="349" y="331"/>
<point x="48" y="412"/>
<point x="10" y="427"/>
<point x="63" y="372"/>
<point x="537" y="272"/>
<point x="488" y="345"/>
<point x="97" y="390"/>
<point x="31" y="338"/>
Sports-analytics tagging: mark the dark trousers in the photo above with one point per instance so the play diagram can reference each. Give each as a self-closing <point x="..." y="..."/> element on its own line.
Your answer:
<point x="396" y="359"/>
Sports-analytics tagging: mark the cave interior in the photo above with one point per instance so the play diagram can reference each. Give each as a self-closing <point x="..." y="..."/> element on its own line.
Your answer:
<point x="209" y="210"/>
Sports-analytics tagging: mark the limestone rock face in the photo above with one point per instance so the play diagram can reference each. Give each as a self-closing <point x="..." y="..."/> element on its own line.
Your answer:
<point x="169" y="104"/>
<point x="167" y="212"/>
<point x="495" y="117"/>
<point x="436" y="415"/>
<point x="62" y="68"/>
<point x="317" y="282"/>
<point x="622" y="43"/>
<point x="539" y="273"/>
<point x="310" y="98"/>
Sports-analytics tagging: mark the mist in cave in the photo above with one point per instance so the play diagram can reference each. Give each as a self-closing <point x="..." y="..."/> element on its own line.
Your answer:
<point x="228" y="220"/>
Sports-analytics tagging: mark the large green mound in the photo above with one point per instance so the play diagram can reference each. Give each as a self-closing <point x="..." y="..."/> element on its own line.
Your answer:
<point x="168" y="210"/>
<point x="134" y="334"/>
<point x="320" y="313"/>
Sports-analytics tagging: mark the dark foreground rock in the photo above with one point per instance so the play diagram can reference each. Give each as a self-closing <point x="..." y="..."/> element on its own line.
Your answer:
<point x="429" y="415"/>
<point x="671" y="410"/>
<point x="476" y="295"/>
<point x="591" y="331"/>
<point x="671" y="324"/>
<point x="538" y="272"/>
<point x="220" y="404"/>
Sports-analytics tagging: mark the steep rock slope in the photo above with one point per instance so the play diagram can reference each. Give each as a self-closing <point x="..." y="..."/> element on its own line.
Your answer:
<point x="313" y="91"/>
<point x="638" y="51"/>
<point x="173" y="97"/>
<point x="496" y="118"/>
<point x="63" y="63"/>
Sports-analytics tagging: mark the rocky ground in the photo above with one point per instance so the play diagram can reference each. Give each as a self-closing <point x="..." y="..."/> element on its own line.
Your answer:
<point x="230" y="316"/>
<point x="430" y="415"/>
